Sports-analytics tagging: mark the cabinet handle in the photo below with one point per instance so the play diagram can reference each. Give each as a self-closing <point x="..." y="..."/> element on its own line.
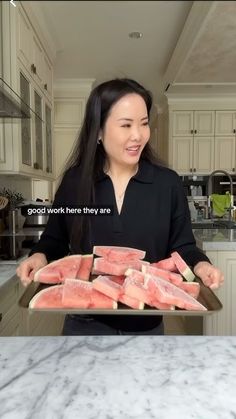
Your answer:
<point x="190" y="169"/>
<point x="46" y="86"/>
<point x="194" y="170"/>
<point x="233" y="170"/>
<point x="47" y="170"/>
<point x="195" y="131"/>
<point x="234" y="131"/>
<point x="36" y="165"/>
<point x="0" y="317"/>
<point x="33" y="68"/>
<point x="191" y="131"/>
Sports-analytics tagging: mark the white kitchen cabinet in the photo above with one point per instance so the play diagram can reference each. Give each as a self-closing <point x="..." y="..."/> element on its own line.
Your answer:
<point x="225" y="141"/>
<point x="192" y="142"/>
<point x="223" y="322"/>
<point x="225" y="123"/>
<point x="26" y="144"/>
<point x="193" y="154"/>
<point x="32" y="55"/>
<point x="196" y="123"/>
<point x="225" y="153"/>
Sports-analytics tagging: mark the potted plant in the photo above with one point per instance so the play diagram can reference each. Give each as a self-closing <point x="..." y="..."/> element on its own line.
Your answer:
<point x="14" y="200"/>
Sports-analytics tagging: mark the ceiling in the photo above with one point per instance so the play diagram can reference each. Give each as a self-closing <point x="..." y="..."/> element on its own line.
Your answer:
<point x="183" y="43"/>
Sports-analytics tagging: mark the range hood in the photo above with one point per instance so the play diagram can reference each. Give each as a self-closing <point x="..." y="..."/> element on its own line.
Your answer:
<point x="11" y="105"/>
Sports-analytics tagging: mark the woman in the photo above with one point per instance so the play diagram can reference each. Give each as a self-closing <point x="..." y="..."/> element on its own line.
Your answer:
<point x="113" y="164"/>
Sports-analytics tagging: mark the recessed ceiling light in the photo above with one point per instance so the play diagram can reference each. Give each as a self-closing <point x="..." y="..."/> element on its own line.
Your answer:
<point x="135" y="35"/>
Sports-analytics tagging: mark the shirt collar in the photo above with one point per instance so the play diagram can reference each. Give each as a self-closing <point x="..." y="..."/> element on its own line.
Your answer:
<point x="144" y="174"/>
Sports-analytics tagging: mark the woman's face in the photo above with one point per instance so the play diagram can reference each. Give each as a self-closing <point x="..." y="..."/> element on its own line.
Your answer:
<point x="126" y="131"/>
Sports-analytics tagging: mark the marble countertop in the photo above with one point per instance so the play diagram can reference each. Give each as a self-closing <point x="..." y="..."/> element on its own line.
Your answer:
<point x="125" y="377"/>
<point x="215" y="239"/>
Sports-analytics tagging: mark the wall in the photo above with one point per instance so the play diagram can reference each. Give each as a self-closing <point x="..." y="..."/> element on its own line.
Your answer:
<point x="70" y="97"/>
<point x="18" y="184"/>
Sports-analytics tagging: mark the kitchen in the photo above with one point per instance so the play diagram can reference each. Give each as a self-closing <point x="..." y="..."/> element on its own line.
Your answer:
<point x="193" y="84"/>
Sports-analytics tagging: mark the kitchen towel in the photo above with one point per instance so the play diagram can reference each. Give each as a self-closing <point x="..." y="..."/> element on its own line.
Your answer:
<point x="220" y="203"/>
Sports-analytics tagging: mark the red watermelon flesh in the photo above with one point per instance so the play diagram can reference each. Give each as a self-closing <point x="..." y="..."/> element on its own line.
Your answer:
<point x="48" y="275"/>
<point x="107" y="287"/>
<point x="50" y="297"/>
<point x="168" y="275"/>
<point x="137" y="275"/>
<point x="119" y="279"/>
<point x="85" y="267"/>
<point x="112" y="268"/>
<point x="182" y="267"/>
<point x="57" y="271"/>
<point x="99" y="300"/>
<point x="134" y="289"/>
<point x="166" y="264"/>
<point x="80" y="294"/>
<point x="119" y="254"/>
<point x="131" y="302"/>
<point x="192" y="288"/>
<point x="76" y="293"/>
<point x="169" y="293"/>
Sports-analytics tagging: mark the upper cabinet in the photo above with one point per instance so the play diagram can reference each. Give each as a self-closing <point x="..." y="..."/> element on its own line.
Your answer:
<point x="26" y="145"/>
<point x="201" y="141"/>
<point x="32" y="55"/>
<point x="197" y="123"/>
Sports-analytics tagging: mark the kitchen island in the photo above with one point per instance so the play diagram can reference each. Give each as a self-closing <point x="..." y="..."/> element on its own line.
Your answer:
<point x="118" y="377"/>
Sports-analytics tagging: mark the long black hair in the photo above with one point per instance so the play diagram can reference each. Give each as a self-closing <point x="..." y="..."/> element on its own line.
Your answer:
<point x="88" y="154"/>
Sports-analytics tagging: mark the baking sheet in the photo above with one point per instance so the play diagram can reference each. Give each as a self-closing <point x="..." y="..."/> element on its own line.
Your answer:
<point x="206" y="297"/>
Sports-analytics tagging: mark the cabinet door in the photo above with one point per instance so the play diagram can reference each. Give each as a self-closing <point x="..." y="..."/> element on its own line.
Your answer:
<point x="38" y="61"/>
<point x="38" y="132"/>
<point x="48" y="138"/>
<point x="224" y="322"/>
<point x="225" y="122"/>
<point x="204" y="123"/>
<point x="24" y="40"/>
<point x="183" y="154"/>
<point x="47" y="82"/>
<point x="203" y="154"/>
<point x="182" y="123"/>
<point x="26" y="136"/>
<point x="225" y="153"/>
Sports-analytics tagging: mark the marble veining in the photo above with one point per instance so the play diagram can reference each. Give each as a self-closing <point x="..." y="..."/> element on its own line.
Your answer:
<point x="114" y="377"/>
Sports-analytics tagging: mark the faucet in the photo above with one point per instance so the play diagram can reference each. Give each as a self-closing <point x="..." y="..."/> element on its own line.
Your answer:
<point x="209" y="192"/>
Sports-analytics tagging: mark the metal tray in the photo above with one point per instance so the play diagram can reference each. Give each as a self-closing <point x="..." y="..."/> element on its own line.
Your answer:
<point x="206" y="297"/>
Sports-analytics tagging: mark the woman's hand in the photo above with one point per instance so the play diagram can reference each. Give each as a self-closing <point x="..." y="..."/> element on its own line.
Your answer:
<point x="211" y="276"/>
<point x="27" y="269"/>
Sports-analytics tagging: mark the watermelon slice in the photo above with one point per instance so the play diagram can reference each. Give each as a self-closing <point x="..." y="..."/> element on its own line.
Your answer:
<point x="168" y="275"/>
<point x="112" y="268"/>
<point x="80" y="294"/>
<point x="182" y="267"/>
<point x="169" y="293"/>
<point x="50" y="297"/>
<point x="119" y="279"/>
<point x="166" y="264"/>
<point x="134" y="289"/>
<point x="137" y="275"/>
<point x="192" y="288"/>
<point x="57" y="271"/>
<point x="119" y="254"/>
<point x="76" y="293"/>
<point x="85" y="267"/>
<point x="107" y="287"/>
<point x="131" y="302"/>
